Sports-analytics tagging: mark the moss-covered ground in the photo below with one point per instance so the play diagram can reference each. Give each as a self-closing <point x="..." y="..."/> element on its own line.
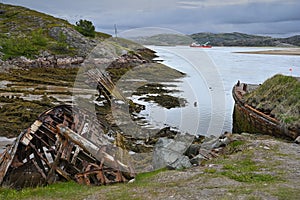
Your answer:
<point x="279" y="96"/>
<point x="19" y="107"/>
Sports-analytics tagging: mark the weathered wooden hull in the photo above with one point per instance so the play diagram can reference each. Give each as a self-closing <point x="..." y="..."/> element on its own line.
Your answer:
<point x="248" y="119"/>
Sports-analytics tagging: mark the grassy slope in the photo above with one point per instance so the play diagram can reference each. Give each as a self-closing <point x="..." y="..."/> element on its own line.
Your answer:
<point x="18" y="20"/>
<point x="25" y="32"/>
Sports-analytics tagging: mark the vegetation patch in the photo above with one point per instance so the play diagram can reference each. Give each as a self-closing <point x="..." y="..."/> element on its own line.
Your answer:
<point x="86" y="28"/>
<point x="158" y="93"/>
<point x="245" y="168"/>
<point x="41" y="75"/>
<point x="146" y="176"/>
<point x="284" y="193"/>
<point x="62" y="190"/>
<point x="13" y="47"/>
<point x="153" y="88"/>
<point x="17" y="114"/>
<point x="235" y="146"/>
<point x="25" y="32"/>
<point x="166" y="101"/>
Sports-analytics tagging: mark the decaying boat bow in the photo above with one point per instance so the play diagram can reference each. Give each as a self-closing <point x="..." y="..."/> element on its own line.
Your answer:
<point x="65" y="143"/>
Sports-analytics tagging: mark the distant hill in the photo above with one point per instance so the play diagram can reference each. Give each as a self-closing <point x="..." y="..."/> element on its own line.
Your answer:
<point x="219" y="39"/>
<point x="241" y="39"/>
<point x="295" y="40"/>
<point x="164" y="40"/>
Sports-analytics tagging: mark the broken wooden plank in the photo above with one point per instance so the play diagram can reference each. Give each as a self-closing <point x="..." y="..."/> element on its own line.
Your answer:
<point x="96" y="151"/>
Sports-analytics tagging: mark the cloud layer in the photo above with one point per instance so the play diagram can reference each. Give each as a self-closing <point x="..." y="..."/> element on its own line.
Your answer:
<point x="187" y="16"/>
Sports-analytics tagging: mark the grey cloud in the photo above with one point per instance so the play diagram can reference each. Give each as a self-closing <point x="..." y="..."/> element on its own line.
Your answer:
<point x="187" y="16"/>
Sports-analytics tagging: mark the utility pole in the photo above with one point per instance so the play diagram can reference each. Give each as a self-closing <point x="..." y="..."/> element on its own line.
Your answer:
<point x="116" y="31"/>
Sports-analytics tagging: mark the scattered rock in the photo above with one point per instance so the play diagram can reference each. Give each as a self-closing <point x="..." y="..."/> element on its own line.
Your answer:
<point x="197" y="160"/>
<point x="131" y="181"/>
<point x="193" y="150"/>
<point x="170" y="151"/>
<point x="180" y="152"/>
<point x="214" y="143"/>
<point x="180" y="163"/>
<point x="45" y="61"/>
<point x="297" y="140"/>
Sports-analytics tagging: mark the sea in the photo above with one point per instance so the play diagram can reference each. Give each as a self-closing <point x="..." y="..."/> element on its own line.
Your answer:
<point x="210" y="76"/>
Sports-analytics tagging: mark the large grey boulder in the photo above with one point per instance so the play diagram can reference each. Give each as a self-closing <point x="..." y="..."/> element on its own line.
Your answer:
<point x="169" y="152"/>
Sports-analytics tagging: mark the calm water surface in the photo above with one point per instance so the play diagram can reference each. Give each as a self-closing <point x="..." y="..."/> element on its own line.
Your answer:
<point x="211" y="74"/>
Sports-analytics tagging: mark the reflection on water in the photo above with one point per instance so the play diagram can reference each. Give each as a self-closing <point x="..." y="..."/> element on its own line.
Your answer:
<point x="211" y="76"/>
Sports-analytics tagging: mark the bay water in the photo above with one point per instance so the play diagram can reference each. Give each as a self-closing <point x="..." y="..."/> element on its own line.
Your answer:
<point x="211" y="75"/>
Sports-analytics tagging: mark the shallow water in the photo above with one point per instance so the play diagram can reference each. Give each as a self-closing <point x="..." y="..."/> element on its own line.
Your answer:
<point x="211" y="75"/>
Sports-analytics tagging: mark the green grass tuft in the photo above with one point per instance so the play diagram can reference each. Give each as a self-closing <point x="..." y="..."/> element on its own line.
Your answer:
<point x="62" y="190"/>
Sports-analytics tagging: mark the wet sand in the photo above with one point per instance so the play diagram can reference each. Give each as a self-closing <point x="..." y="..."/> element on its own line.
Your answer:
<point x="290" y="51"/>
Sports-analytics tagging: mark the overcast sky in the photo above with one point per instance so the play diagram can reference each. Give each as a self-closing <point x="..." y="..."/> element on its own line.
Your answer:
<point x="268" y="17"/>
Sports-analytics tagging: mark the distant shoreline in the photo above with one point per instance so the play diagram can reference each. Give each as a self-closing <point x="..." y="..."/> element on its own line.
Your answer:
<point x="292" y="51"/>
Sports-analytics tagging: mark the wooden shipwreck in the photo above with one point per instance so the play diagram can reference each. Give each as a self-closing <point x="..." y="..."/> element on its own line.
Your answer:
<point x="63" y="144"/>
<point x="248" y="119"/>
<point x="66" y="143"/>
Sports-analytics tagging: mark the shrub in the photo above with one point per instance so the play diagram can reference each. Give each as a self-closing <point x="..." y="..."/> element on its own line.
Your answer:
<point x="13" y="47"/>
<point x="38" y="38"/>
<point x="27" y="46"/>
<point x="86" y="28"/>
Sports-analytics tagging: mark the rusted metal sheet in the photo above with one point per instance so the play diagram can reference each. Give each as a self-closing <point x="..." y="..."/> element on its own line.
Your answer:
<point x="64" y="143"/>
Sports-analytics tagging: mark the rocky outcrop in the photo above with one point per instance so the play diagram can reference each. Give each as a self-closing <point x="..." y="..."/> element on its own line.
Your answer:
<point x="73" y="38"/>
